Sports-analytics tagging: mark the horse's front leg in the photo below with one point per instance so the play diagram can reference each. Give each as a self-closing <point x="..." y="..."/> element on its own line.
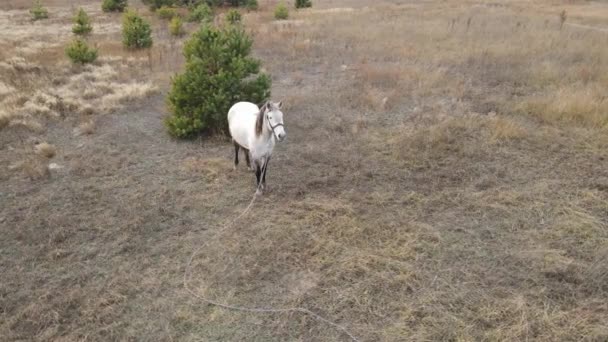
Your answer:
<point x="265" y="168"/>
<point x="258" y="176"/>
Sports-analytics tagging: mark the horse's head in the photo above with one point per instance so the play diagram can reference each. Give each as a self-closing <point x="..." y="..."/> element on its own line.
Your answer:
<point x="274" y="118"/>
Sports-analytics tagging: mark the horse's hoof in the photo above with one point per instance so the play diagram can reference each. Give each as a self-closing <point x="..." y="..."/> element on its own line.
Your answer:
<point x="258" y="192"/>
<point x="233" y="167"/>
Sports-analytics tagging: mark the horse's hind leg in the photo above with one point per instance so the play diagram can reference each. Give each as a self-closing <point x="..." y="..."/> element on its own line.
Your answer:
<point x="236" y="154"/>
<point x="247" y="158"/>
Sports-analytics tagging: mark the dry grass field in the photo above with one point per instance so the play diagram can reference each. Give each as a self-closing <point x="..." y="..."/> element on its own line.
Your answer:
<point x="445" y="178"/>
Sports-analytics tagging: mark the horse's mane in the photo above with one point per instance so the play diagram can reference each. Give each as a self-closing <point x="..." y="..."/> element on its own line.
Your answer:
<point x="259" y="124"/>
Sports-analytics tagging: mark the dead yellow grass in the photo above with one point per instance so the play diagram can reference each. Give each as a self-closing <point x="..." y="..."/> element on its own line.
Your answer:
<point x="211" y="170"/>
<point x="35" y="169"/>
<point x="4" y="120"/>
<point x="585" y="105"/>
<point x="85" y="128"/>
<point x="45" y="149"/>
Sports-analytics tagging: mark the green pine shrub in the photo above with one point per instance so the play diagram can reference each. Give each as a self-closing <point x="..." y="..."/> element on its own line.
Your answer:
<point x="38" y="12"/>
<point x="156" y="4"/>
<point x="136" y="32"/>
<point x="303" y="3"/>
<point x="82" y="23"/>
<point x="212" y="3"/>
<point x="219" y="72"/>
<point x="114" y="5"/>
<point x="252" y="5"/>
<point x="166" y="12"/>
<point x="201" y="14"/>
<point x="233" y="17"/>
<point x="281" y="12"/>
<point x="176" y="27"/>
<point x="79" y="52"/>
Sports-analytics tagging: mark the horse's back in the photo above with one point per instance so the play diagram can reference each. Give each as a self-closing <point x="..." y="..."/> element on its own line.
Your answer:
<point x="241" y="122"/>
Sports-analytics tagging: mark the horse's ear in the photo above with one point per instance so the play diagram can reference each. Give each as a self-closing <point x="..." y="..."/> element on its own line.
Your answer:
<point x="275" y="105"/>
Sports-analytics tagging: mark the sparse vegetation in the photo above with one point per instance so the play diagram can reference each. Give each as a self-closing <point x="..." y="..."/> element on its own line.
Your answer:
<point x="219" y="72"/>
<point x="233" y="17"/>
<point x="166" y="12"/>
<point x="114" y="5"/>
<point x="38" y="11"/>
<point x="82" y="24"/>
<point x="176" y="27"/>
<point x="86" y="128"/>
<point x="79" y="52"/>
<point x="202" y="13"/>
<point x="281" y="12"/>
<point x="303" y="3"/>
<point x="136" y="32"/>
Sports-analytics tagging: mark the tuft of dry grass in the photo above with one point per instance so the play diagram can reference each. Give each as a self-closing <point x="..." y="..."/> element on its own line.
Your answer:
<point x="584" y="106"/>
<point x="4" y="120"/>
<point x="45" y="149"/>
<point x="35" y="169"/>
<point x="85" y="128"/>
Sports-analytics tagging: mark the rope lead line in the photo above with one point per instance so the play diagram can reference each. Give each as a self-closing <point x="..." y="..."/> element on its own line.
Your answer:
<point x="188" y="275"/>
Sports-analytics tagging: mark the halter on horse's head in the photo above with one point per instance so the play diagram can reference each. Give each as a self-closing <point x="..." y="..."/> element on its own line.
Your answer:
<point x="270" y="113"/>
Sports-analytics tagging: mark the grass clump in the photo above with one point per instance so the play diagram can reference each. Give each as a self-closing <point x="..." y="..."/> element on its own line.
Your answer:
<point x="114" y="5"/>
<point x="38" y="12"/>
<point x="136" y="32"/>
<point x="79" y="52"/>
<point x="219" y="72"/>
<point x="82" y="23"/>
<point x="281" y="12"/>
<point x="45" y="149"/>
<point x="233" y="17"/>
<point x="176" y="27"/>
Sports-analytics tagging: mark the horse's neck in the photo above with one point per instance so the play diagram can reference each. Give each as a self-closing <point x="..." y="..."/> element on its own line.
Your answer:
<point x="266" y="135"/>
<point x="264" y="142"/>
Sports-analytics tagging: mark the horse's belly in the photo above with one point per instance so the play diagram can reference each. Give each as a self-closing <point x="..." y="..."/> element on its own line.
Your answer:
<point x="241" y="137"/>
<point x="241" y="122"/>
<point x="242" y="128"/>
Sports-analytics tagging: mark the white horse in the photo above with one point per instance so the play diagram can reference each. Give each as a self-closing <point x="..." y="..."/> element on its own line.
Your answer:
<point x="256" y="130"/>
